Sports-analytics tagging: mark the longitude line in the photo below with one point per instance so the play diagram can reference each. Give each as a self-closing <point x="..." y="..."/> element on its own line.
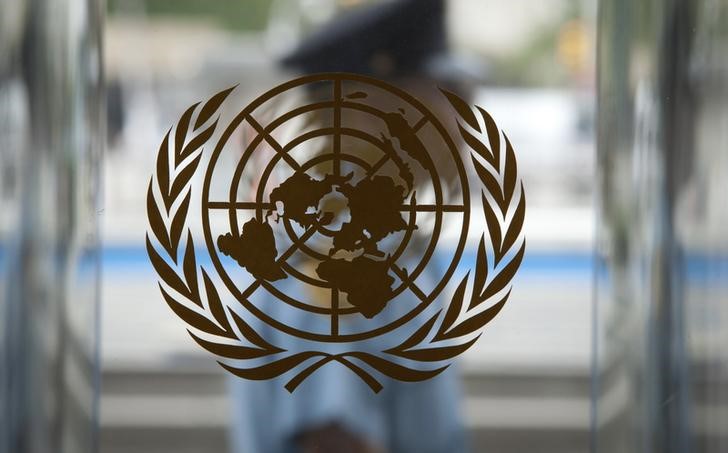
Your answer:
<point x="287" y="254"/>
<point x="273" y="142"/>
<point x="379" y="164"/>
<point x="410" y="284"/>
<point x="337" y="127"/>
<point x="334" y="311"/>
<point x="420" y="123"/>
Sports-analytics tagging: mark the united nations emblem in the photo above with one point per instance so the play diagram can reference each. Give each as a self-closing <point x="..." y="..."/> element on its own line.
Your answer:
<point x="336" y="211"/>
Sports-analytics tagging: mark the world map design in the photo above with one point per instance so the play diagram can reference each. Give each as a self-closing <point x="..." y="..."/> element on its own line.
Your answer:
<point x="374" y="204"/>
<point x="327" y="223"/>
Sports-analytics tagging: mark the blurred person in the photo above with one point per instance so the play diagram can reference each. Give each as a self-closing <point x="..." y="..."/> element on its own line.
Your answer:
<point x="402" y="42"/>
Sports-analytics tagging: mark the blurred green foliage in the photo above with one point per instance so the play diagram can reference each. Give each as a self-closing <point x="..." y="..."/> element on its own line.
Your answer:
<point x="234" y="14"/>
<point x="534" y="64"/>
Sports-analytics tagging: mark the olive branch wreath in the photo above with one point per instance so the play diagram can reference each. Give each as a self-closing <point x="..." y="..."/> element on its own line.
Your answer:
<point x="504" y="211"/>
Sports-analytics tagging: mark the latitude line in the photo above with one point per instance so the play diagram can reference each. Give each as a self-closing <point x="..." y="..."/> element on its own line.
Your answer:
<point x="410" y="284"/>
<point x="287" y="254"/>
<point x="337" y="128"/>
<point x="432" y="208"/>
<point x="272" y="142"/>
<point x="239" y="205"/>
<point x="403" y="208"/>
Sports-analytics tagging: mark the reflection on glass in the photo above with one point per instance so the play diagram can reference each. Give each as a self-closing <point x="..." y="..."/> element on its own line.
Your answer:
<point x="50" y="145"/>
<point x="660" y="369"/>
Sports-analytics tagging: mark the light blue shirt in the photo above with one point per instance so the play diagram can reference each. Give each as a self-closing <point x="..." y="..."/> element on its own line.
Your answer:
<point x="420" y="417"/>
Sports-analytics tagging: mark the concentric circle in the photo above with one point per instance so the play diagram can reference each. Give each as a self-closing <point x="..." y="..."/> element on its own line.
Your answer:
<point x="259" y="202"/>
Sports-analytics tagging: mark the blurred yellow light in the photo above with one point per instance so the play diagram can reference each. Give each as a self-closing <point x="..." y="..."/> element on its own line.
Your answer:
<point x="573" y="45"/>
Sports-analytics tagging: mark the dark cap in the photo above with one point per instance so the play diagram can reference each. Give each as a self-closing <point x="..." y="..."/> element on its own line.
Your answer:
<point x="394" y="38"/>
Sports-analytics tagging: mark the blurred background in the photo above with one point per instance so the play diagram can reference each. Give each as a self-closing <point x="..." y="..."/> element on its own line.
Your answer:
<point x="527" y="382"/>
<point x="637" y="231"/>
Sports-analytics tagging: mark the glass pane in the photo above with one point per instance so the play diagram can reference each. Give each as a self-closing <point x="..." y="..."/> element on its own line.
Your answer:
<point x="660" y="369"/>
<point x="50" y="149"/>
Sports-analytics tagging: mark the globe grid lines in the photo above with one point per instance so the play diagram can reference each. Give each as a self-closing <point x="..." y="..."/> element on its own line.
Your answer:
<point x="234" y="205"/>
<point x="334" y="311"/>
<point x="282" y="151"/>
<point x="299" y="244"/>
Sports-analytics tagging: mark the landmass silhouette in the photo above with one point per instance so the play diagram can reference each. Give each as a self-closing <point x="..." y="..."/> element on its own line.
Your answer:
<point x="254" y="249"/>
<point x="366" y="282"/>
<point x="375" y="213"/>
